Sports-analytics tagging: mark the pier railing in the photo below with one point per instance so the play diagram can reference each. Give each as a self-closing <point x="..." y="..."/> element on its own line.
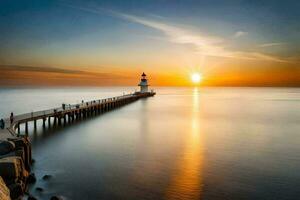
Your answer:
<point x="70" y="111"/>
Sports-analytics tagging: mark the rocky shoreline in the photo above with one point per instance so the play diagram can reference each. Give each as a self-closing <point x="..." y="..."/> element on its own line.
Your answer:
<point x="15" y="169"/>
<point x="15" y="166"/>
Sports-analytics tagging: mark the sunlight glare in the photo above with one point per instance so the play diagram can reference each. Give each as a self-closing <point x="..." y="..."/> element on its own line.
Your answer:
<point x="196" y="77"/>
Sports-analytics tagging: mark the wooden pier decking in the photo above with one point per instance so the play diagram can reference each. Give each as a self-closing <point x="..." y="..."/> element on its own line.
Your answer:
<point x="66" y="113"/>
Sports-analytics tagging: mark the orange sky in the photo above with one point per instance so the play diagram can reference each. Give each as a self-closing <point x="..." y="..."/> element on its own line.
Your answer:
<point x="217" y="76"/>
<point x="88" y="45"/>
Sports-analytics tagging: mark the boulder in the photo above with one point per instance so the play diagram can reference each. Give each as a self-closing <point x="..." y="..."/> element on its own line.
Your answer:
<point x="30" y="197"/>
<point x="39" y="189"/>
<point x="56" y="198"/>
<point x="4" y="191"/>
<point x="6" y="147"/>
<point x="12" y="169"/>
<point x="46" y="177"/>
<point x="31" y="178"/>
<point x="16" y="190"/>
<point x="24" y="145"/>
<point x="21" y="153"/>
<point x="10" y="154"/>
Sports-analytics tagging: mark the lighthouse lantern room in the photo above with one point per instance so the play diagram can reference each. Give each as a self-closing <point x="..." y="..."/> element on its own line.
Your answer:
<point x="144" y="84"/>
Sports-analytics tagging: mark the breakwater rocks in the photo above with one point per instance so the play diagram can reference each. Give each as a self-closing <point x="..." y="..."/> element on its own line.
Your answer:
<point x="15" y="161"/>
<point x="4" y="191"/>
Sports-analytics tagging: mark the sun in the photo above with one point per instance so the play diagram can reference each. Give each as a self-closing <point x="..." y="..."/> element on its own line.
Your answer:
<point x="196" y="77"/>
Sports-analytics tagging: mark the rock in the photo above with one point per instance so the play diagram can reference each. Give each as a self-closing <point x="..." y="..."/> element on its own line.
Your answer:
<point x="30" y="197"/>
<point x="10" y="154"/>
<point x="4" y="191"/>
<point x="11" y="169"/>
<point x="16" y="190"/>
<point x="46" y="177"/>
<point x="56" y="198"/>
<point x="20" y="153"/>
<point x="39" y="189"/>
<point x="24" y="145"/>
<point x="6" y="147"/>
<point x="31" y="178"/>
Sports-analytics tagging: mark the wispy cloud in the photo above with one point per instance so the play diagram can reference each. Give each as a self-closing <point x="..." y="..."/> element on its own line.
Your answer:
<point x="47" y="70"/>
<point x="18" y="75"/>
<point x="203" y="44"/>
<point x="239" y="34"/>
<point x="272" y="44"/>
<point x="38" y="69"/>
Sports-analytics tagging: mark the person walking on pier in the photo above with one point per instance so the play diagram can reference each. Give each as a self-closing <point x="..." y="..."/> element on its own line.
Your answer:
<point x="11" y="117"/>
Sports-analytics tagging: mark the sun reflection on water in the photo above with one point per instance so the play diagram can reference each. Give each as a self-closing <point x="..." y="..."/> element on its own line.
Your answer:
<point x="186" y="182"/>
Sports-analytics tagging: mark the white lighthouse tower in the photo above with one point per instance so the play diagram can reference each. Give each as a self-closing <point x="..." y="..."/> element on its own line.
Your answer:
<point x="144" y="84"/>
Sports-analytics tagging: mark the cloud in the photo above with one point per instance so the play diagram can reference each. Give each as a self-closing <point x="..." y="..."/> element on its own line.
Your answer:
<point x="47" y="70"/>
<point x="17" y="75"/>
<point x="272" y="44"/>
<point x="203" y="44"/>
<point x="239" y="34"/>
<point x="38" y="69"/>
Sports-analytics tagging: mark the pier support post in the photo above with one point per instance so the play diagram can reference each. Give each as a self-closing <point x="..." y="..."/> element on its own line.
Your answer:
<point x="59" y="120"/>
<point x="34" y="124"/>
<point x="26" y="128"/>
<point x="18" y="127"/>
<point x="44" y="122"/>
<point x="55" y="121"/>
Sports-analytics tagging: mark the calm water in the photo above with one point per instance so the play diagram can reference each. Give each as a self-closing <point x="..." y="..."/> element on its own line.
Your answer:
<point x="185" y="143"/>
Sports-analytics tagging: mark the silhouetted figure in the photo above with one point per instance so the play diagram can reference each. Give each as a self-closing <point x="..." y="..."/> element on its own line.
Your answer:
<point x="11" y="117"/>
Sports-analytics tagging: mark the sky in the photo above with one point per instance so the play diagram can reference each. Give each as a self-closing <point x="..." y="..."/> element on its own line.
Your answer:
<point x="111" y="42"/>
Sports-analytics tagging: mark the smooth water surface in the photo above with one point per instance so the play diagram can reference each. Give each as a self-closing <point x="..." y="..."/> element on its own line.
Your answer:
<point x="184" y="143"/>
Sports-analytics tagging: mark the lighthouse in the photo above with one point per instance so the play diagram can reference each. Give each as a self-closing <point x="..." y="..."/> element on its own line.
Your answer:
<point x="144" y="84"/>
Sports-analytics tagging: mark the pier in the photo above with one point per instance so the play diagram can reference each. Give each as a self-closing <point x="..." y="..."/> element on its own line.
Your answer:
<point x="15" y="148"/>
<point x="66" y="113"/>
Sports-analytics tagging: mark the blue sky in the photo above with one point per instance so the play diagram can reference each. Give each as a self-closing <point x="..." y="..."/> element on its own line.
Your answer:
<point x="133" y="34"/>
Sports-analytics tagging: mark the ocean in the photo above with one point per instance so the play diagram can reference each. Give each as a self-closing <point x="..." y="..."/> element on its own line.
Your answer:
<point x="185" y="143"/>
